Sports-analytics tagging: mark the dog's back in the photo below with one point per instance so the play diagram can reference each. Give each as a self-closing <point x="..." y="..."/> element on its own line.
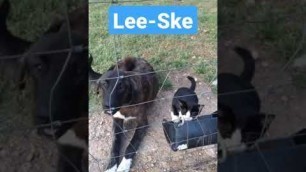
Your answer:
<point x="142" y="74"/>
<point x="133" y="64"/>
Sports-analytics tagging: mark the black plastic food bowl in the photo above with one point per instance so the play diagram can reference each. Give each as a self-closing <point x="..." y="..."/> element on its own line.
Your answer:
<point x="200" y="131"/>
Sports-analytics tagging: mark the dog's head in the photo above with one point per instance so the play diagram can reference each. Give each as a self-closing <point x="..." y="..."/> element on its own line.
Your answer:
<point x="117" y="90"/>
<point x="59" y="93"/>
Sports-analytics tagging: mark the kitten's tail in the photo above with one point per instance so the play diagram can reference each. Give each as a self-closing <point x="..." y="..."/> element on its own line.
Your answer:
<point x="249" y="63"/>
<point x="193" y="83"/>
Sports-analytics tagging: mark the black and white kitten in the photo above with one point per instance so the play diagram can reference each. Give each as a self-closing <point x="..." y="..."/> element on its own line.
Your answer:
<point x="185" y="103"/>
<point x="240" y="121"/>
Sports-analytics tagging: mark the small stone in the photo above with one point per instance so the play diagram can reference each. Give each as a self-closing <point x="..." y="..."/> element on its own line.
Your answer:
<point x="255" y="55"/>
<point x="300" y="62"/>
<point x="193" y="57"/>
<point x="284" y="98"/>
<point x="265" y="64"/>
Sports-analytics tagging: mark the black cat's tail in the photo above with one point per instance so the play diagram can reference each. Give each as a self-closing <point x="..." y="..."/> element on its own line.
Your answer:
<point x="193" y="82"/>
<point x="249" y="63"/>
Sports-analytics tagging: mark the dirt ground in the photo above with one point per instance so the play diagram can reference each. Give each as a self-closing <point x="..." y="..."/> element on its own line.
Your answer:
<point x="154" y="153"/>
<point x="278" y="94"/>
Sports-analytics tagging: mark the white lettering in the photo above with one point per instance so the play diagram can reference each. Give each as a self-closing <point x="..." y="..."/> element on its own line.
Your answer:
<point x="116" y="24"/>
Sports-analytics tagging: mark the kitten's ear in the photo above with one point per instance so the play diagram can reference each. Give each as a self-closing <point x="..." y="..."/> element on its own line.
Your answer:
<point x="183" y="105"/>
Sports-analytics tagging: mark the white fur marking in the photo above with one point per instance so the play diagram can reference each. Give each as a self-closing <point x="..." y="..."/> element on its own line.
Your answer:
<point x="187" y="117"/>
<point x="182" y="147"/>
<point x="174" y="117"/>
<point x="182" y="117"/>
<point x="221" y="146"/>
<point x="70" y="138"/>
<point x="113" y="169"/>
<point x="234" y="143"/>
<point x="119" y="115"/>
<point x="125" y="165"/>
<point x="215" y="82"/>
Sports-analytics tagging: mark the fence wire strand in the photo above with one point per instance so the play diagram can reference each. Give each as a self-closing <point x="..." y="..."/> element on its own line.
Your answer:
<point x="53" y="123"/>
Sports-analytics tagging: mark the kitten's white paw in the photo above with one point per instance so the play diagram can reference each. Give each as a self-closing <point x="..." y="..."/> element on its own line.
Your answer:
<point x="187" y="118"/>
<point x="125" y="165"/>
<point x="113" y="169"/>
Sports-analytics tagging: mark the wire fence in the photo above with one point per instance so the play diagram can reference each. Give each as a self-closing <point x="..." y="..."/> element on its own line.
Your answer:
<point x="155" y="140"/>
<point x="171" y="159"/>
<point x="157" y="124"/>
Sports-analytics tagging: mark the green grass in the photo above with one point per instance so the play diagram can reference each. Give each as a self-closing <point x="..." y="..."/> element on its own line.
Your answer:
<point x="277" y="26"/>
<point x="30" y="18"/>
<point x="162" y="51"/>
<point x="188" y="52"/>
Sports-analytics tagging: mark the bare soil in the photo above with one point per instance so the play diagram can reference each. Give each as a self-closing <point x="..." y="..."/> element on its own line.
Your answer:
<point x="154" y="153"/>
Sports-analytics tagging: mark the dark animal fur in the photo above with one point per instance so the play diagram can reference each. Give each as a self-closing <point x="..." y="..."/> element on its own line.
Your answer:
<point x="132" y="88"/>
<point x="70" y="97"/>
<point x="185" y="99"/>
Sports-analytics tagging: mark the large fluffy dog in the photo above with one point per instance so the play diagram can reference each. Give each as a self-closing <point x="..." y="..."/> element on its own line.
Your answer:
<point x="240" y="122"/>
<point x="125" y="87"/>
